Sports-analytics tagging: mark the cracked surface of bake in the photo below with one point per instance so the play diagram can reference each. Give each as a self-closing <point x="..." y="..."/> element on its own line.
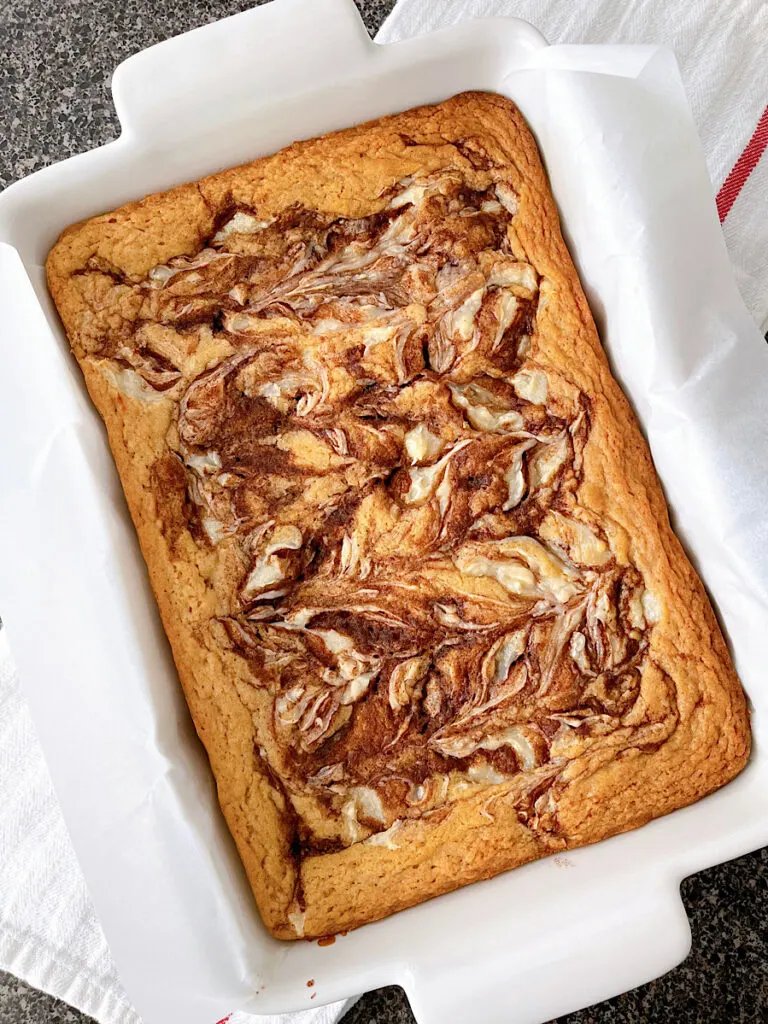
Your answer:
<point x="405" y="535"/>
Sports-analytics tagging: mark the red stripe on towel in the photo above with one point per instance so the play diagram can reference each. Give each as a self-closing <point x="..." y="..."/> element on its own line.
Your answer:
<point x="743" y="167"/>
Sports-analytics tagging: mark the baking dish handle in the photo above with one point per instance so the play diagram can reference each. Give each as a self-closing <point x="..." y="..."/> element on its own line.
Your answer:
<point x="647" y="938"/>
<point x="189" y="79"/>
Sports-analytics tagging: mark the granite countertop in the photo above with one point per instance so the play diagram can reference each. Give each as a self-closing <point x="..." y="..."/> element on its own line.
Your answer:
<point x="58" y="56"/>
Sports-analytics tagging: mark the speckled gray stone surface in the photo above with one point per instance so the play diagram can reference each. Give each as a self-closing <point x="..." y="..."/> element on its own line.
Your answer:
<point x="57" y="58"/>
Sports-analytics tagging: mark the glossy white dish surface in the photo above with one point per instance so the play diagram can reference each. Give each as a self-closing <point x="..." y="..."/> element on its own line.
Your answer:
<point x="133" y="782"/>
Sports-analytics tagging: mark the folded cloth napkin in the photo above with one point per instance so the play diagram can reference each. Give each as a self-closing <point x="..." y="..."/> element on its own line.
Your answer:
<point x="49" y="934"/>
<point x="721" y="49"/>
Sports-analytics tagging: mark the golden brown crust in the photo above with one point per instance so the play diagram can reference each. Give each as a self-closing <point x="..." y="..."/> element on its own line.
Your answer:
<point x="687" y="698"/>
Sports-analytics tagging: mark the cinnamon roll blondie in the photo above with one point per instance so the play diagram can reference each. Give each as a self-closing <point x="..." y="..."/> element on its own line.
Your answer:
<point x="405" y="535"/>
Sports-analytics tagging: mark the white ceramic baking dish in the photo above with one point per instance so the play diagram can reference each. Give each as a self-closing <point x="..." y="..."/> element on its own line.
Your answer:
<point x="131" y="778"/>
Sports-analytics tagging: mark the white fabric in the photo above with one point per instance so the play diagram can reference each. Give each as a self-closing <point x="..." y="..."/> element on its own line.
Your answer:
<point x="49" y="934"/>
<point x="721" y="49"/>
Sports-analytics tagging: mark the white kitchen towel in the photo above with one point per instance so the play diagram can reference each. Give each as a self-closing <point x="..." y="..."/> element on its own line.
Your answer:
<point x="722" y="50"/>
<point x="49" y="933"/>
